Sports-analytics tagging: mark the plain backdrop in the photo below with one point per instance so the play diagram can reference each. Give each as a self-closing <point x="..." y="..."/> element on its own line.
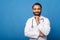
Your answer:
<point x="14" y="14"/>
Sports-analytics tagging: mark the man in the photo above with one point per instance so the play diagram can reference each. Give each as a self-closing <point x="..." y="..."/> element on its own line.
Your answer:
<point x="37" y="27"/>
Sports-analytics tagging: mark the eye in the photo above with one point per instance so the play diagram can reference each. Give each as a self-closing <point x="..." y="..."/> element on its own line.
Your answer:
<point x="34" y="8"/>
<point x="38" y="8"/>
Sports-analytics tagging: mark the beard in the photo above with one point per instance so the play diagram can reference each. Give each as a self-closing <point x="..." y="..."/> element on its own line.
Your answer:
<point x="37" y="13"/>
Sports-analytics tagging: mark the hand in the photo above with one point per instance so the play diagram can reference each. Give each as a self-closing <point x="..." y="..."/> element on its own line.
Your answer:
<point x="37" y="20"/>
<point x="41" y="34"/>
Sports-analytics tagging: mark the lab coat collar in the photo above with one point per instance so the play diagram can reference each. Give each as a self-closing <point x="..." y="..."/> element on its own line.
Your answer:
<point x="41" y="18"/>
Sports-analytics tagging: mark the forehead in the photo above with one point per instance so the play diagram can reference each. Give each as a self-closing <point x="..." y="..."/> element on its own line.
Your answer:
<point x="36" y="6"/>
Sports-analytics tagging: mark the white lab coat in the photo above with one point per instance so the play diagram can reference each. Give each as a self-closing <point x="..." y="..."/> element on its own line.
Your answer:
<point x="43" y="27"/>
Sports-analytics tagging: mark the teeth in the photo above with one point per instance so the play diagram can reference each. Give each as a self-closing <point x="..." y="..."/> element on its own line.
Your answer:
<point x="36" y="13"/>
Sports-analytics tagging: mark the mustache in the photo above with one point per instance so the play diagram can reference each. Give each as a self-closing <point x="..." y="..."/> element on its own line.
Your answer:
<point x="36" y="12"/>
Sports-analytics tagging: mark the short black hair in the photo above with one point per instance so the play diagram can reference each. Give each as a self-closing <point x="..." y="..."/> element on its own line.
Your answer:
<point x="37" y="4"/>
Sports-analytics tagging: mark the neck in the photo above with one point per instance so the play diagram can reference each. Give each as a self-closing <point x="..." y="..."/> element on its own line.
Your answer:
<point x="36" y="17"/>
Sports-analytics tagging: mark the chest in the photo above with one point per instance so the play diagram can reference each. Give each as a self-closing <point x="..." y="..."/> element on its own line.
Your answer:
<point x="34" y="24"/>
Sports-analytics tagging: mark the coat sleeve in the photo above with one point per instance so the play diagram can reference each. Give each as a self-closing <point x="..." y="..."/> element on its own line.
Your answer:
<point x="45" y="27"/>
<point x="29" y="32"/>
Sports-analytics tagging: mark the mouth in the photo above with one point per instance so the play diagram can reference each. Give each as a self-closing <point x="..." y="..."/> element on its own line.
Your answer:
<point x="36" y="13"/>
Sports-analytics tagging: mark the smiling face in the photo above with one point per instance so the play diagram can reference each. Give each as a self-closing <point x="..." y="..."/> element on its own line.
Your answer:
<point x="36" y="10"/>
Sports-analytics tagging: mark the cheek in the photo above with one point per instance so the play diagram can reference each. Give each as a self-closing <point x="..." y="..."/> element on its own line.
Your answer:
<point x="39" y="10"/>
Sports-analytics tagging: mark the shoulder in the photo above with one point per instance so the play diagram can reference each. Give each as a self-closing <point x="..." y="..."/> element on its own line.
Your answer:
<point x="29" y="19"/>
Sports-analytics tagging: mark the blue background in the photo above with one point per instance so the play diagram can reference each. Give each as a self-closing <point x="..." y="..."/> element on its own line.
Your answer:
<point x="14" y="14"/>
